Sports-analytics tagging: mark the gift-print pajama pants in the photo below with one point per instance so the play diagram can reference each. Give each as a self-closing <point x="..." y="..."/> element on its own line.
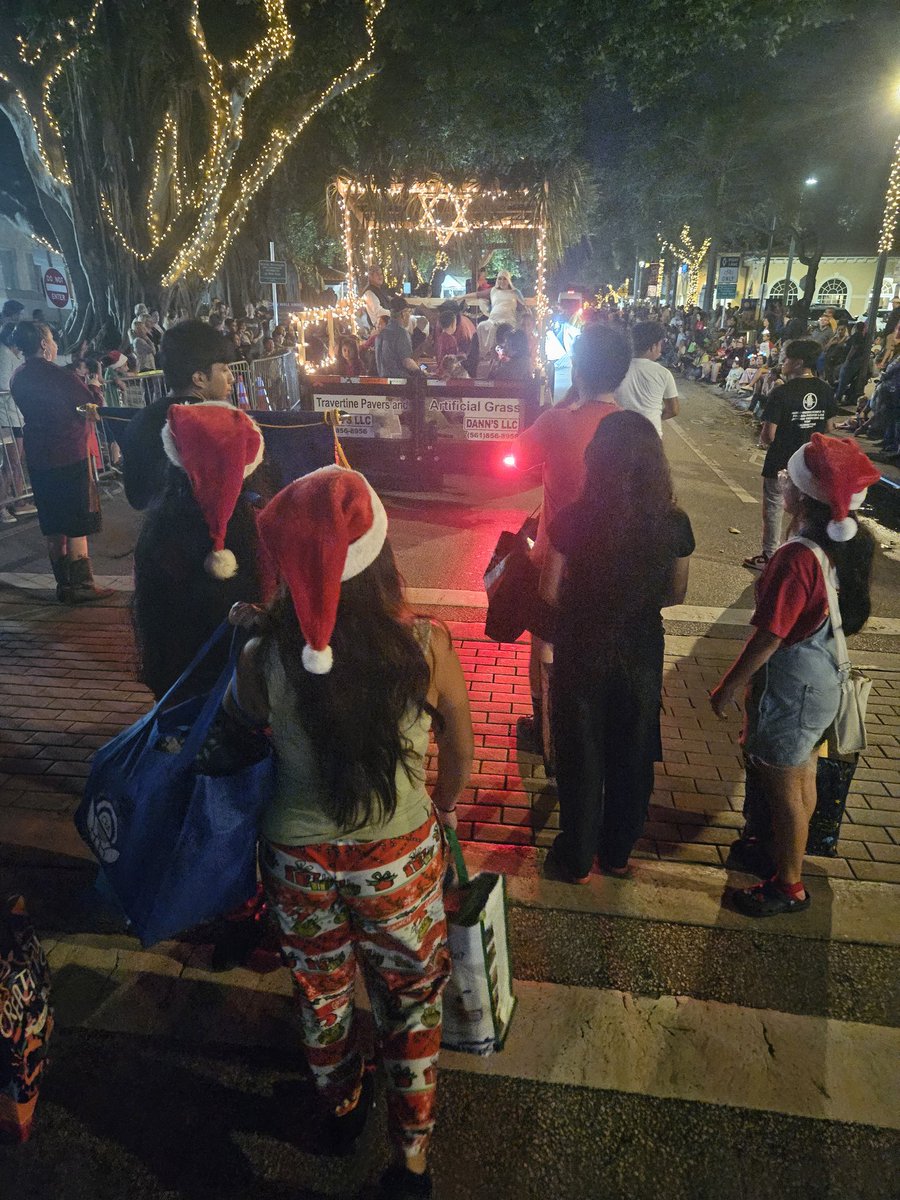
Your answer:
<point x="378" y="905"/>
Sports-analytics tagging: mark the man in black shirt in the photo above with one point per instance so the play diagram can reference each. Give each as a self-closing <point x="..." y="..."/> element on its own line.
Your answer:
<point x="194" y="359"/>
<point x="796" y="409"/>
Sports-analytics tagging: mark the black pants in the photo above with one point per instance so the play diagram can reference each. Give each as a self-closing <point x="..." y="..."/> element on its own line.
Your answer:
<point x="606" y="738"/>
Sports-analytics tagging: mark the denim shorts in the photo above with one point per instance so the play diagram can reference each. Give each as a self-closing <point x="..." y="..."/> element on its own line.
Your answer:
<point x="794" y="699"/>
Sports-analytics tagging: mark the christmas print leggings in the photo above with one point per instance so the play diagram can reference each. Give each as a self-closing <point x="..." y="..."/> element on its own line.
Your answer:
<point x="377" y="904"/>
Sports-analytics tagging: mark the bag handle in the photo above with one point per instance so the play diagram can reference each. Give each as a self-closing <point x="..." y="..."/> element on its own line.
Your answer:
<point x="214" y="638"/>
<point x="461" y="869"/>
<point x="200" y="727"/>
<point x="841" y="653"/>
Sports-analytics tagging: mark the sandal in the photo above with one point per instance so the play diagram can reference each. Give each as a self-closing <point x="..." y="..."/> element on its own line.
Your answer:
<point x="766" y="900"/>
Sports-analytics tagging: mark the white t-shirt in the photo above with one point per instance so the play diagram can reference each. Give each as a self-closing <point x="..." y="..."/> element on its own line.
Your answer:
<point x="644" y="389"/>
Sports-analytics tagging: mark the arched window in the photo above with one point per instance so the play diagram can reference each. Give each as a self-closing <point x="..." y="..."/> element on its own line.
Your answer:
<point x="776" y="292"/>
<point x="834" y="292"/>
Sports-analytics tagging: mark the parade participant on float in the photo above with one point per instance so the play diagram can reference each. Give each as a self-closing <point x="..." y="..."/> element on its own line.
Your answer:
<point x="194" y="359"/>
<point x="557" y="441"/>
<point x="376" y="296"/>
<point x="58" y="411"/>
<point x="352" y="855"/>
<point x="198" y="547"/>
<point x="790" y="661"/>
<point x="617" y="556"/>
<point x="505" y="300"/>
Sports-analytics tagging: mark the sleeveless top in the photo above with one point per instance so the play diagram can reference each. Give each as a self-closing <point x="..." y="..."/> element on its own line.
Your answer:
<point x="296" y="815"/>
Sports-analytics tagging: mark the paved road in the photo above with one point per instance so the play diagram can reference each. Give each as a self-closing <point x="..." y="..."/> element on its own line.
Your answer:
<point x="661" y="1044"/>
<point x="444" y="541"/>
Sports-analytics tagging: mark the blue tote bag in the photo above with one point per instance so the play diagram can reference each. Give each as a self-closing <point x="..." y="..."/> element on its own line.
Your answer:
<point x="176" y="846"/>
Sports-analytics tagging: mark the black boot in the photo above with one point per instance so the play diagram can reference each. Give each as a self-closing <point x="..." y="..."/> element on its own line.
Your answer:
<point x="530" y="730"/>
<point x="61" y="574"/>
<point x="82" y="589"/>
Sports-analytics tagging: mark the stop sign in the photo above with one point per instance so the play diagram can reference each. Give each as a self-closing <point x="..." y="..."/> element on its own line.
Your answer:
<point x="56" y="287"/>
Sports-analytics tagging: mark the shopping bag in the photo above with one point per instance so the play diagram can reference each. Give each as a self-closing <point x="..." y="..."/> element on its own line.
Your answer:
<point x="478" y="1000"/>
<point x="26" y="1020"/>
<point x="176" y="843"/>
<point x="511" y="582"/>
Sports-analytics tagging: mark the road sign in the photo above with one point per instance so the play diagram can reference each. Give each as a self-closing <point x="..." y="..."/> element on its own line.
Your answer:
<point x="56" y="287"/>
<point x="726" y="284"/>
<point x="272" y="272"/>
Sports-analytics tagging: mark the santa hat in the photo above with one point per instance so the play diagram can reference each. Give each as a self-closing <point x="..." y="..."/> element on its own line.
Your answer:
<point x="217" y="446"/>
<point x="835" y="472"/>
<point x="320" y="530"/>
<point x="116" y="359"/>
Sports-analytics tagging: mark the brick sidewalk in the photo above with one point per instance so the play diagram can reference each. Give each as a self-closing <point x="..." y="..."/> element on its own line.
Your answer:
<point x="66" y="686"/>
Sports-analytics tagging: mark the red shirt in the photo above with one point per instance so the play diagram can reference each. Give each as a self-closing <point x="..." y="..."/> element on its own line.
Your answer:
<point x="791" y="600"/>
<point x="558" y="440"/>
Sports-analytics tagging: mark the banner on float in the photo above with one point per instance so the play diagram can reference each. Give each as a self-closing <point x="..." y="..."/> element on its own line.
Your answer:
<point x="463" y="418"/>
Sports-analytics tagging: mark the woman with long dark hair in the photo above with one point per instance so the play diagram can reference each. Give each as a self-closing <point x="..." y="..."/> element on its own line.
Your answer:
<point x="790" y="660"/>
<point x="617" y="556"/>
<point x="352" y="853"/>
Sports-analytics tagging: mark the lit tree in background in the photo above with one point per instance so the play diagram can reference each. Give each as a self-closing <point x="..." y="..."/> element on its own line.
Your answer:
<point x="684" y="251"/>
<point x="148" y="130"/>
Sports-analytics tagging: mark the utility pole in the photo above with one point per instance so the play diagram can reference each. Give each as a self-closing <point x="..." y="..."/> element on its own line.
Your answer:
<point x="765" y="275"/>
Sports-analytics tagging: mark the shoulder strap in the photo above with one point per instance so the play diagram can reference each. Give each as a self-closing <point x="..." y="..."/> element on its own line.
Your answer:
<point x="834" y="608"/>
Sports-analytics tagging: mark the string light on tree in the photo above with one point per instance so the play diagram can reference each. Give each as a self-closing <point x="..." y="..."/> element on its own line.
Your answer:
<point x="891" y="205"/>
<point x="685" y="251"/>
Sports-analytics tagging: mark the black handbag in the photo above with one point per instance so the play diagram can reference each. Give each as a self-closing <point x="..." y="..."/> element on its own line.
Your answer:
<point x="511" y="582"/>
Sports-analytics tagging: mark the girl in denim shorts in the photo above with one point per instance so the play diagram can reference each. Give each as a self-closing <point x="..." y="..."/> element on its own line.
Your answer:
<point x="789" y="662"/>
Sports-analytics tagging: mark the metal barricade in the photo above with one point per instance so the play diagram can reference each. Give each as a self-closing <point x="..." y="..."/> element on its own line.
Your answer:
<point x="15" y="487"/>
<point x="134" y="391"/>
<point x="271" y="384"/>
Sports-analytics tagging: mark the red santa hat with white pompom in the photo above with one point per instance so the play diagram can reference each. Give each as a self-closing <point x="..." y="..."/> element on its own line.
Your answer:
<point x="319" y="531"/>
<point x="835" y="472"/>
<point x="217" y="446"/>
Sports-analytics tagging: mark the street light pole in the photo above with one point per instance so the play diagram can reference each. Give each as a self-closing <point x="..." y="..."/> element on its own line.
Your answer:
<point x="810" y="182"/>
<point x="765" y="276"/>
<point x="885" y="241"/>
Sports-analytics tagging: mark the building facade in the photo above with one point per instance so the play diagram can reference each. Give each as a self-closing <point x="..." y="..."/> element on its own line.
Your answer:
<point x="24" y="263"/>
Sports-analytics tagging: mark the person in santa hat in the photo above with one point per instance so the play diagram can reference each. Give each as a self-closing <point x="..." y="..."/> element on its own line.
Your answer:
<point x="352" y="855"/>
<point x="790" y="662"/>
<point x="198" y="550"/>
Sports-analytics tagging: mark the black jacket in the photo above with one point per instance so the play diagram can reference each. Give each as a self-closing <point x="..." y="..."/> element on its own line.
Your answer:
<point x="144" y="461"/>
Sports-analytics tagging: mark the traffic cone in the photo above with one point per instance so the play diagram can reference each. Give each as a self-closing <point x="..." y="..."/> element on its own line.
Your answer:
<point x="262" y="397"/>
<point x="243" y="401"/>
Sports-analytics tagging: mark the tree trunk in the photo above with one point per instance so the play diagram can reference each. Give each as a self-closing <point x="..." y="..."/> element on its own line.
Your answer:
<point x="712" y="260"/>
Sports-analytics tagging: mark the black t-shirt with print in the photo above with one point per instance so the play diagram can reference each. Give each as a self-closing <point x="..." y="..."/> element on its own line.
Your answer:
<point x="798" y="409"/>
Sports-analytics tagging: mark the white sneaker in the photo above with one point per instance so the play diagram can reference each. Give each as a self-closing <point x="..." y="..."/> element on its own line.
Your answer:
<point x="6" y="517"/>
<point x="24" y="510"/>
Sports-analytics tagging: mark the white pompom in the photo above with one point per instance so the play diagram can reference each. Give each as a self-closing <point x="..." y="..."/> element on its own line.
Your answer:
<point x="842" y="531"/>
<point x="318" y="662"/>
<point x="221" y="564"/>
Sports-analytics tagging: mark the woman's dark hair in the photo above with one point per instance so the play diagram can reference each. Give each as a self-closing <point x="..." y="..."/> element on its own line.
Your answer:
<point x="347" y="340"/>
<point x="621" y="570"/>
<point x="852" y="561"/>
<point x="189" y="346"/>
<point x="28" y="336"/>
<point x="352" y="716"/>
<point x="600" y="359"/>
